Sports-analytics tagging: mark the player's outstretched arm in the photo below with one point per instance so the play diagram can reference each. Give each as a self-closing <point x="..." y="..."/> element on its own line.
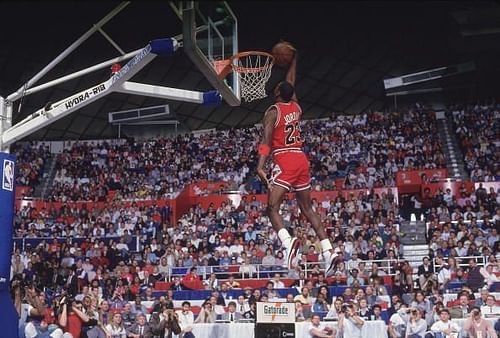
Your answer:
<point x="292" y="71"/>
<point x="265" y="146"/>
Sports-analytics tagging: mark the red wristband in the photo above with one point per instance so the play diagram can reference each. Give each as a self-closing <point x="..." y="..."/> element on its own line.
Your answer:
<point x="264" y="149"/>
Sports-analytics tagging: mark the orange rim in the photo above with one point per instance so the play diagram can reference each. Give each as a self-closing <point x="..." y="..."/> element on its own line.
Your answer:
<point x="241" y="69"/>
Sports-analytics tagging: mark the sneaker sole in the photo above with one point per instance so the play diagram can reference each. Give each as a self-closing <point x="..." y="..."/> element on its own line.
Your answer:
<point x="294" y="249"/>
<point x="329" y="271"/>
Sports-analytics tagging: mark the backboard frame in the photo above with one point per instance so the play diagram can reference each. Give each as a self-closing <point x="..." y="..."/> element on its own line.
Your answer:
<point x="204" y="62"/>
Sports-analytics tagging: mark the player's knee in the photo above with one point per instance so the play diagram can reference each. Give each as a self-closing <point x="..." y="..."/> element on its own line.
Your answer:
<point x="272" y="208"/>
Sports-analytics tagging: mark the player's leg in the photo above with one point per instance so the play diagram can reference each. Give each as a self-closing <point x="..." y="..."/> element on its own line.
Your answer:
<point x="291" y="244"/>
<point x="304" y="201"/>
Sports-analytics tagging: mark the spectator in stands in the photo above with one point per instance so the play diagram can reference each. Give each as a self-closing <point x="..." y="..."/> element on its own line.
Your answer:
<point x="251" y="314"/>
<point x="478" y="327"/>
<point x="247" y="269"/>
<point x="490" y="309"/>
<point x="444" y="326"/>
<point x="483" y="296"/>
<point x="207" y="313"/>
<point x="349" y="322"/>
<point x="304" y="297"/>
<point x="242" y="305"/>
<point x="72" y="318"/>
<point x="115" y="328"/>
<point x="489" y="276"/>
<point x="461" y="310"/>
<point x="416" y="326"/>
<point x="475" y="279"/>
<point x="425" y="273"/>
<point x="302" y="313"/>
<point x="354" y="277"/>
<point x="398" y="321"/>
<point x="335" y="309"/>
<point x="320" y="305"/>
<point x="231" y="315"/>
<point x="316" y="329"/>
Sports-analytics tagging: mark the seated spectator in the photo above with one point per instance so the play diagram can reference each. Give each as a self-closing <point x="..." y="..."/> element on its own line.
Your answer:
<point x="320" y="305"/>
<point x="375" y="313"/>
<point x="115" y="328"/>
<point x="302" y="313"/>
<point x="251" y="314"/>
<point x="186" y="320"/>
<point x="354" y="277"/>
<point x="444" y="326"/>
<point x="141" y="328"/>
<point x="398" y="321"/>
<point x="207" y="313"/>
<point x="416" y="326"/>
<point x="335" y="309"/>
<point x="231" y="315"/>
<point x="490" y="309"/>
<point x="461" y="310"/>
<point x="304" y="297"/>
<point x="475" y="326"/>
<point x="316" y="329"/>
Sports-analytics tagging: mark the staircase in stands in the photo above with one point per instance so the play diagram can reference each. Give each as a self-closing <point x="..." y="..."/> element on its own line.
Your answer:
<point x="414" y="243"/>
<point x="452" y="151"/>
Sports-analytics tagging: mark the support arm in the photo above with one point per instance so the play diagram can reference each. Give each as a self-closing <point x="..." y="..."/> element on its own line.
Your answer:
<point x="42" y="117"/>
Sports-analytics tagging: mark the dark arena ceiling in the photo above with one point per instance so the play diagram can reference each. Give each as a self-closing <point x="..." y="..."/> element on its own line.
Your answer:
<point x="346" y="50"/>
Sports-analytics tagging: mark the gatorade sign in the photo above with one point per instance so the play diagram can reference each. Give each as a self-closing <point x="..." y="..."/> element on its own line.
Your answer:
<point x="275" y="313"/>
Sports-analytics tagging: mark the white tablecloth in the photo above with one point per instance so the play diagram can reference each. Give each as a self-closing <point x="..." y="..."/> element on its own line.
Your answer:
<point x="371" y="329"/>
<point x="224" y="330"/>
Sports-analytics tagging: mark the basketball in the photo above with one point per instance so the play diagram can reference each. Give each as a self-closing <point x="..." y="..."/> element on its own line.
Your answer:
<point x="283" y="53"/>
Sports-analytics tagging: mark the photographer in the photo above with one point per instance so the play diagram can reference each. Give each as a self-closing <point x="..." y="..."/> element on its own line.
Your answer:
<point x="72" y="316"/>
<point x="398" y="321"/>
<point x="477" y="327"/>
<point x="166" y="324"/>
<point x="350" y="323"/>
<point x="416" y="326"/>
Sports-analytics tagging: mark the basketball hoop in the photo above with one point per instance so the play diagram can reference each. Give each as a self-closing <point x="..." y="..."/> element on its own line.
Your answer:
<point x="254" y="70"/>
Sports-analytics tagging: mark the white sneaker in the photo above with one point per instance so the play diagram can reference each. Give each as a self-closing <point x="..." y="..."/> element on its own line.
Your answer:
<point x="291" y="253"/>
<point x="330" y="260"/>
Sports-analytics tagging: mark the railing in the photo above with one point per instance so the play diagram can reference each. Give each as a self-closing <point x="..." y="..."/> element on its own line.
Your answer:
<point x="463" y="261"/>
<point x="388" y="266"/>
<point x="22" y="242"/>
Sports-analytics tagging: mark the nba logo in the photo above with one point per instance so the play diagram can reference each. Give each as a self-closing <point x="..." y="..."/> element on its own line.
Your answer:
<point x="8" y="175"/>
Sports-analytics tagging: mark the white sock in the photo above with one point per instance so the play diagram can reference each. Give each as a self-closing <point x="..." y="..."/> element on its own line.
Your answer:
<point x="326" y="245"/>
<point x="285" y="237"/>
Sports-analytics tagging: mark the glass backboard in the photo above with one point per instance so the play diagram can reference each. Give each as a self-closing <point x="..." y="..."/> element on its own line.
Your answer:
<point x="210" y="34"/>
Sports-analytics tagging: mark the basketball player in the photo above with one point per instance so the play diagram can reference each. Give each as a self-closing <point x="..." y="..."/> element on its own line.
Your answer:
<point x="282" y="140"/>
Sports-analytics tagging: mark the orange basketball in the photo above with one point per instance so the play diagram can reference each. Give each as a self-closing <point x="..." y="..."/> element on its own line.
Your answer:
<point x="283" y="53"/>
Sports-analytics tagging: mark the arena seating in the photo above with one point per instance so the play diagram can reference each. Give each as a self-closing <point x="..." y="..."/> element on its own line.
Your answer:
<point x="137" y="216"/>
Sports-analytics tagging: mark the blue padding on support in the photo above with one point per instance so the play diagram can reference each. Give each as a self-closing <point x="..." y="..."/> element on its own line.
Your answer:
<point x="8" y="318"/>
<point x="164" y="47"/>
<point x="212" y="98"/>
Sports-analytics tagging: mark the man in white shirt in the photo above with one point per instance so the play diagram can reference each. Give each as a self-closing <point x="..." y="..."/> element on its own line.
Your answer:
<point x="318" y="330"/>
<point x="278" y="284"/>
<point x="397" y="322"/>
<point x="242" y="305"/>
<point x="186" y="320"/>
<point x="350" y="322"/>
<point x="490" y="309"/>
<point x="444" y="326"/>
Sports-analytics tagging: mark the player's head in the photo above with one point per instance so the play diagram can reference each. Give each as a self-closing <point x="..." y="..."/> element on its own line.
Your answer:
<point x="284" y="91"/>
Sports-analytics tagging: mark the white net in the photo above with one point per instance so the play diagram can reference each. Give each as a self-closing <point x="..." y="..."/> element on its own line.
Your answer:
<point x="254" y="69"/>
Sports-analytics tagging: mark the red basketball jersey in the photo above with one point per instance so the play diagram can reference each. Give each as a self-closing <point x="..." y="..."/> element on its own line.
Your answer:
<point x="286" y="134"/>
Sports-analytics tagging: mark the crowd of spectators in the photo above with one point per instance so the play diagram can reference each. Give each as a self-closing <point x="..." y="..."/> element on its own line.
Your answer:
<point x="98" y="267"/>
<point x="365" y="150"/>
<point x="31" y="159"/>
<point x="476" y="127"/>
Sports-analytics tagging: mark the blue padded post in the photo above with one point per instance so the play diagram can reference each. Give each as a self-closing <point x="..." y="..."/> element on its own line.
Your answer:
<point x="9" y="318"/>
<point x="163" y="47"/>
<point x="212" y="98"/>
